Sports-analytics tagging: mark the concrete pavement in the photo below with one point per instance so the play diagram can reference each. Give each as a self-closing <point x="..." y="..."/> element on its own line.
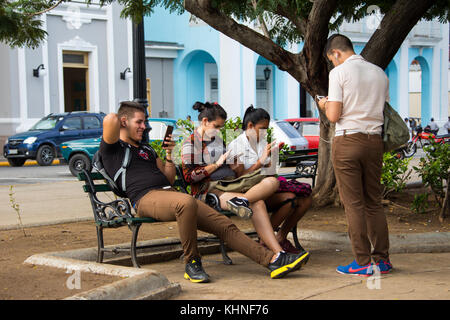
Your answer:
<point x="421" y="261"/>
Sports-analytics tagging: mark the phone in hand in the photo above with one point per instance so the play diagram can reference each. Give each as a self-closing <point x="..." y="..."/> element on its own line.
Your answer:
<point x="318" y="98"/>
<point x="233" y="158"/>
<point x="169" y="131"/>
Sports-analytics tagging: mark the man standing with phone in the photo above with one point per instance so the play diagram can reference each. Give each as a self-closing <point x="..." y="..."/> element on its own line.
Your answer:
<point x="357" y="93"/>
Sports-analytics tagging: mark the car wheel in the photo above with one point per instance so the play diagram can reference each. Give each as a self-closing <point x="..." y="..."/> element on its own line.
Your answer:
<point x="45" y="155"/>
<point x="16" y="162"/>
<point x="79" y="162"/>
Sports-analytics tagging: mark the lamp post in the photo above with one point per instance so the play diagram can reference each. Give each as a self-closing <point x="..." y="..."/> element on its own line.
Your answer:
<point x="139" y="72"/>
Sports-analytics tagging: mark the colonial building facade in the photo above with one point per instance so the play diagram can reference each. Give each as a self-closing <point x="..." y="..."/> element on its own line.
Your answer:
<point x="77" y="68"/>
<point x="86" y="64"/>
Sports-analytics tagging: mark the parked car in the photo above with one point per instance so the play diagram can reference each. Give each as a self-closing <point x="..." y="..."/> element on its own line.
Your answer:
<point x="284" y="132"/>
<point x="79" y="153"/>
<point x="309" y="128"/>
<point x="43" y="140"/>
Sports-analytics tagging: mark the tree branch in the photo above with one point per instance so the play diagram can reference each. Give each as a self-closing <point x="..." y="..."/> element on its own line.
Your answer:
<point x="315" y="39"/>
<point x="46" y="10"/>
<point x="385" y="42"/>
<point x="261" y="21"/>
<point x="299" y="23"/>
<point x="248" y="37"/>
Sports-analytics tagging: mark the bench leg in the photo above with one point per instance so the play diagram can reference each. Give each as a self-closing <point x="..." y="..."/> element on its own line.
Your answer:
<point x="100" y="244"/>
<point x="295" y="236"/>
<point x="133" y="251"/>
<point x="226" y="259"/>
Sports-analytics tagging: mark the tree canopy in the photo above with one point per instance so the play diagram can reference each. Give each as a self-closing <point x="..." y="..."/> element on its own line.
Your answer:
<point x="285" y="20"/>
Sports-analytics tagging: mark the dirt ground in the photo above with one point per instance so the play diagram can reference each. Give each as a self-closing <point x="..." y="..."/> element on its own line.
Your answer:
<point x="24" y="282"/>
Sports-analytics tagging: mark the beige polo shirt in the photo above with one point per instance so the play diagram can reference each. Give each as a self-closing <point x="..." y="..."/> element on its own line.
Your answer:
<point x="363" y="88"/>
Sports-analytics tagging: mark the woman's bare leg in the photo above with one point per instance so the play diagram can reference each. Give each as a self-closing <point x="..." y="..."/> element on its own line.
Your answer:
<point x="286" y="213"/>
<point x="260" y="219"/>
<point x="263" y="190"/>
<point x="263" y="227"/>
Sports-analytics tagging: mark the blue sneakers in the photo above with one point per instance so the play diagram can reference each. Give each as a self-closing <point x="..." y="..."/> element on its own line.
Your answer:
<point x="384" y="266"/>
<point x="356" y="269"/>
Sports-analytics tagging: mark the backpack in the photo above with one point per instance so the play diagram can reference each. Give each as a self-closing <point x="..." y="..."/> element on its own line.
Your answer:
<point x="395" y="131"/>
<point x="97" y="163"/>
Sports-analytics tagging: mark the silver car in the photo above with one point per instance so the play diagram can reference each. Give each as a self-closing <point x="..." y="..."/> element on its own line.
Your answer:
<point x="283" y="131"/>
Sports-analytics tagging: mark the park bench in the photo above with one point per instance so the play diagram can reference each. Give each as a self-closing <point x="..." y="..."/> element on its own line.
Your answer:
<point x="305" y="164"/>
<point x="118" y="213"/>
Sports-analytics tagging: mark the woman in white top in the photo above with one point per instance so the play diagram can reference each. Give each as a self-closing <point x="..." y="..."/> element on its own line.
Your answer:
<point x="256" y="153"/>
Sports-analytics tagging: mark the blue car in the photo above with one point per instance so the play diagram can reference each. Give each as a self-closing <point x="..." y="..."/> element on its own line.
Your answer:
<point x="79" y="153"/>
<point x="42" y="142"/>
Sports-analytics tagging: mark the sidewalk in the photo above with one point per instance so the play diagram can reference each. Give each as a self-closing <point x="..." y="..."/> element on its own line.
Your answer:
<point x="421" y="271"/>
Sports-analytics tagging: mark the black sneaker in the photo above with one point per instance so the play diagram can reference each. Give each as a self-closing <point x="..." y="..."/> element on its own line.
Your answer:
<point x="287" y="262"/>
<point x="195" y="272"/>
<point x="241" y="207"/>
<point x="213" y="201"/>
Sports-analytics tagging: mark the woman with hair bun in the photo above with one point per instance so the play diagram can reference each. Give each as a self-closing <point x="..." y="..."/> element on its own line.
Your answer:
<point x="287" y="207"/>
<point x="205" y="160"/>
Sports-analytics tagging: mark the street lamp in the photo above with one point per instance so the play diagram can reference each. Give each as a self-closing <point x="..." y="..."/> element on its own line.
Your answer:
<point x="267" y="72"/>
<point x="139" y="74"/>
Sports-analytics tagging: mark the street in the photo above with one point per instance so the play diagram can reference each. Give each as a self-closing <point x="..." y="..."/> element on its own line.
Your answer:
<point x="35" y="174"/>
<point x="60" y="172"/>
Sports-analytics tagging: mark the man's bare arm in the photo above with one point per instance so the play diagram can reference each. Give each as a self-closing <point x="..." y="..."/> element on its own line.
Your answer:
<point x="111" y="128"/>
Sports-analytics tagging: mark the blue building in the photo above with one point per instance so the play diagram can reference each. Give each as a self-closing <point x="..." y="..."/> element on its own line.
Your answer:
<point x="188" y="61"/>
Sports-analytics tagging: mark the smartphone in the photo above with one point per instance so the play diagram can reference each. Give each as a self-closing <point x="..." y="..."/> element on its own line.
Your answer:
<point x="234" y="158"/>
<point x="318" y="98"/>
<point x="168" y="132"/>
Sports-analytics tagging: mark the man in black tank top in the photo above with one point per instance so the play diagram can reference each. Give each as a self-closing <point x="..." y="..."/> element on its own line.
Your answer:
<point x="149" y="182"/>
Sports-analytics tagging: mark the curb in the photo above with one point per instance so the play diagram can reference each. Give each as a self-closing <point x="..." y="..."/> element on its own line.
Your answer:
<point x="141" y="284"/>
<point x="399" y="243"/>
<point x="29" y="163"/>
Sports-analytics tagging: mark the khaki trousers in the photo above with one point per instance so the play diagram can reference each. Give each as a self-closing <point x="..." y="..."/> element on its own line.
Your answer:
<point x="357" y="161"/>
<point x="192" y="214"/>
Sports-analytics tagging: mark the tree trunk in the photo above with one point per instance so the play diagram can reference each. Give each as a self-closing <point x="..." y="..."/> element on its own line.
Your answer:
<point x="446" y="204"/>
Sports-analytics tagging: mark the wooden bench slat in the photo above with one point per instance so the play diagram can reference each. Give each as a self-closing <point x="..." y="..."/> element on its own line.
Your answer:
<point x="93" y="175"/>
<point x="141" y="220"/>
<point x="98" y="188"/>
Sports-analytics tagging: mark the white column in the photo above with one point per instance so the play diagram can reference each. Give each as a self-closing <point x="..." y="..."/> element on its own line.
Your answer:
<point x="229" y="76"/>
<point x="47" y="66"/>
<point x="130" y="57"/>
<point x="435" y="83"/>
<point x="403" y="79"/>
<point x="293" y="96"/>
<point x="292" y="91"/>
<point x="22" y="74"/>
<point x="248" y="78"/>
<point x="443" y="115"/>
<point x="112" y="77"/>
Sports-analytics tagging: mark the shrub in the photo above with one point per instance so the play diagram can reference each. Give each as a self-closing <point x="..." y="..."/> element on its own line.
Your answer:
<point x="394" y="174"/>
<point x="434" y="169"/>
<point x="420" y="203"/>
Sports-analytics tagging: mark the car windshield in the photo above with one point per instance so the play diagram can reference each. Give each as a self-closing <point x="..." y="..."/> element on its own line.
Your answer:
<point x="288" y="129"/>
<point x="311" y="129"/>
<point x="46" y="123"/>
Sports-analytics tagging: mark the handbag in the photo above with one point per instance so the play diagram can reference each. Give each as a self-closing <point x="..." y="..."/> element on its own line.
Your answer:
<point x="301" y="189"/>
<point x="395" y="130"/>
<point x="241" y="184"/>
